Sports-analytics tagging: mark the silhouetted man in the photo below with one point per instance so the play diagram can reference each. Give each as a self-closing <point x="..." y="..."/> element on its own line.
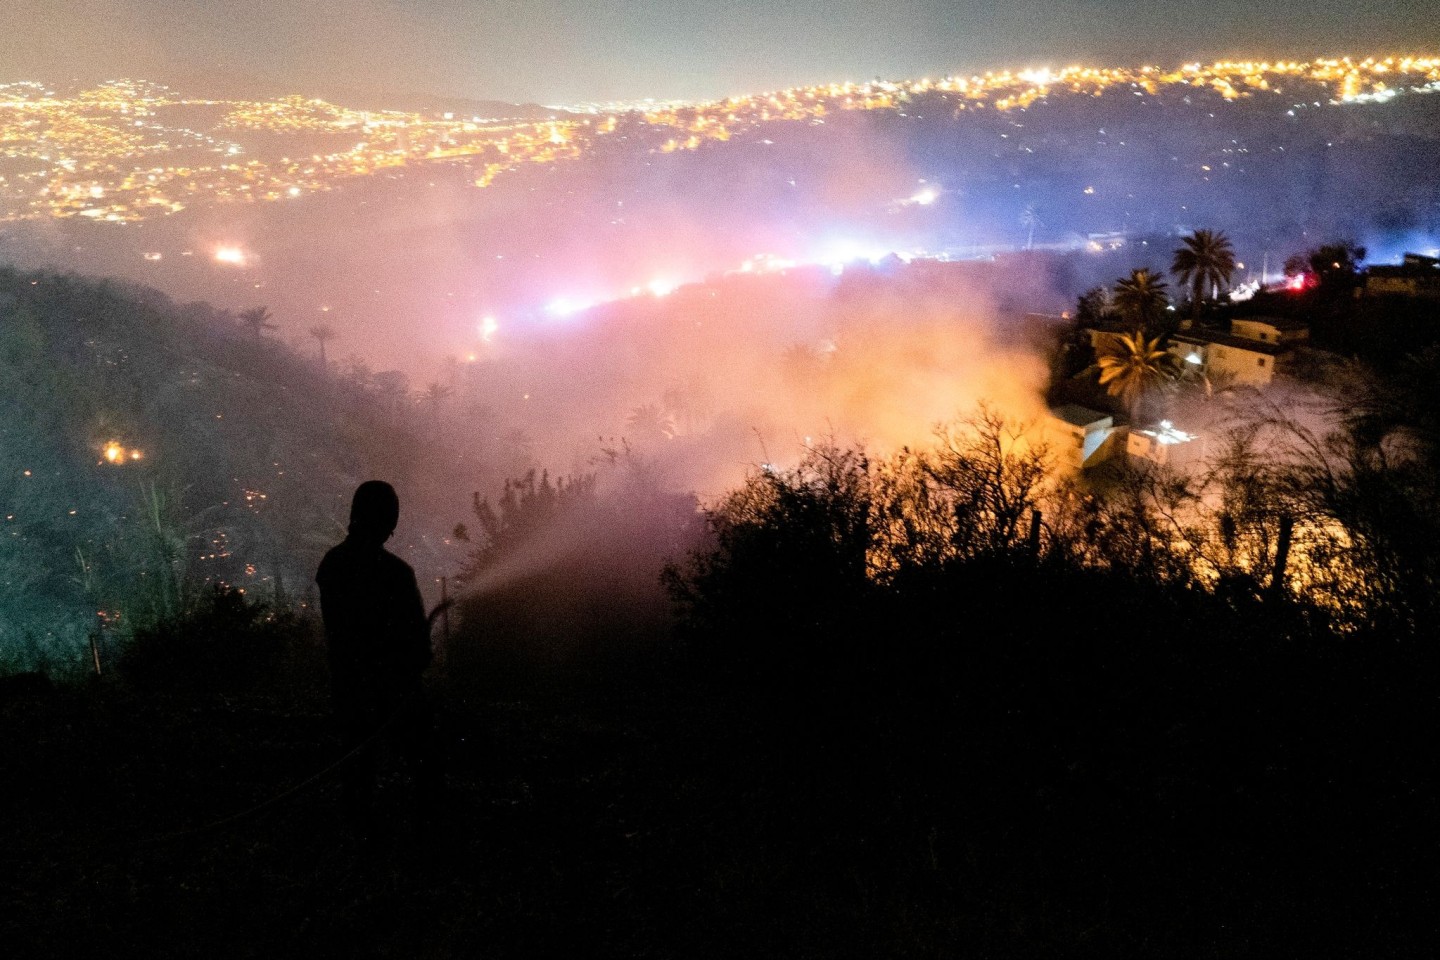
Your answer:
<point x="379" y="644"/>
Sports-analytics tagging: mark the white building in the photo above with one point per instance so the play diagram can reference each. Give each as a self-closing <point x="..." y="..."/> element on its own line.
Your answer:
<point x="1163" y="444"/>
<point x="1248" y="355"/>
<point x="1080" y="437"/>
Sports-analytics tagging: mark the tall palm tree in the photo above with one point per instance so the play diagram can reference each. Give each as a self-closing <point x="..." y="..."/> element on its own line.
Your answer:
<point x="1205" y="264"/>
<point x="1132" y="365"/>
<point x="650" y="422"/>
<point x="1141" y="298"/>
<point x="258" y="320"/>
<point x="322" y="332"/>
<point x="1029" y="220"/>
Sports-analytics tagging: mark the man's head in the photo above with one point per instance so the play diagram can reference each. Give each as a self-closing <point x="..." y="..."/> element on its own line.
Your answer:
<point x="374" y="511"/>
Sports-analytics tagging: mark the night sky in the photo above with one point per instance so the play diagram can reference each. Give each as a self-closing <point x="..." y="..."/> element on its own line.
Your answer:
<point x="556" y="51"/>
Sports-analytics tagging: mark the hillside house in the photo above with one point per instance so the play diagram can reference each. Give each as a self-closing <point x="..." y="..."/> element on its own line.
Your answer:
<point x="1417" y="277"/>
<point x="1165" y="445"/>
<point x="1249" y="355"/>
<point x="1080" y="437"/>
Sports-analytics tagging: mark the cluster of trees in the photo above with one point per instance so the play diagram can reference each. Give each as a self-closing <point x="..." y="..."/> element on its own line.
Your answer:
<point x="1335" y="529"/>
<point x="391" y="389"/>
<point x="1190" y="685"/>
<point x="1204" y="263"/>
<point x="1331" y="268"/>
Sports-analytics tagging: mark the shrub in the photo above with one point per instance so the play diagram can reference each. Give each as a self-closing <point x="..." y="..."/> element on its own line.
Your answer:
<point x="221" y="642"/>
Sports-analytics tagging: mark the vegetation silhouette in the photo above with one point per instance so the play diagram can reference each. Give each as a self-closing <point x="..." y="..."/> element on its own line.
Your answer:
<point x="218" y="643"/>
<point x="1333" y="266"/>
<point x="562" y="576"/>
<point x="1141" y="299"/>
<point x="1205" y="263"/>
<point x="1133" y="365"/>
<point x="257" y="321"/>
<point x="323" y="333"/>
<point x="1129" y="688"/>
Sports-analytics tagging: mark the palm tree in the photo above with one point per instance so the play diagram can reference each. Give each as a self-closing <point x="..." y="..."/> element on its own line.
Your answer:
<point x="1132" y="365"/>
<point x="650" y="422"/>
<point x="676" y="403"/>
<point x="1141" y="298"/>
<point x="257" y="319"/>
<point x="1029" y="221"/>
<point x="1205" y="263"/>
<point x="322" y="332"/>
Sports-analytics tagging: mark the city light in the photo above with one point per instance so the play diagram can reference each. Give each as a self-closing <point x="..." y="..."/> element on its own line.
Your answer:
<point x="184" y="166"/>
<point x="231" y="256"/>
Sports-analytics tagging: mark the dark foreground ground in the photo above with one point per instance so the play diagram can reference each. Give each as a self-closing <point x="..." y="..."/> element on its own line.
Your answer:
<point x="676" y="825"/>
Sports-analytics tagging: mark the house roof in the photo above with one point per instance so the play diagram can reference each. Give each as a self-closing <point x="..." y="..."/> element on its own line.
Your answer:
<point x="1232" y="341"/>
<point x="1279" y="323"/>
<point x="1405" y="271"/>
<point x="1414" y="265"/>
<point x="1078" y="416"/>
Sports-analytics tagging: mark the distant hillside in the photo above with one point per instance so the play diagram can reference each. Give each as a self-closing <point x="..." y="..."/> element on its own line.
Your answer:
<point x="149" y="448"/>
<point x="359" y="97"/>
<point x="431" y="103"/>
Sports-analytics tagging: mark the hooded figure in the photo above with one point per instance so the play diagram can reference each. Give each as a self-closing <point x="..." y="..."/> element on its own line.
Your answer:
<point x="379" y="644"/>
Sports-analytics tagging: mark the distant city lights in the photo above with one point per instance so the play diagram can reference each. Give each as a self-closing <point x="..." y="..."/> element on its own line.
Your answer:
<point x="231" y="256"/>
<point x="87" y="181"/>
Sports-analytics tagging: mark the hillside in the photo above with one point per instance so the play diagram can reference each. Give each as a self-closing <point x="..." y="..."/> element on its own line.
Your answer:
<point x="149" y="448"/>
